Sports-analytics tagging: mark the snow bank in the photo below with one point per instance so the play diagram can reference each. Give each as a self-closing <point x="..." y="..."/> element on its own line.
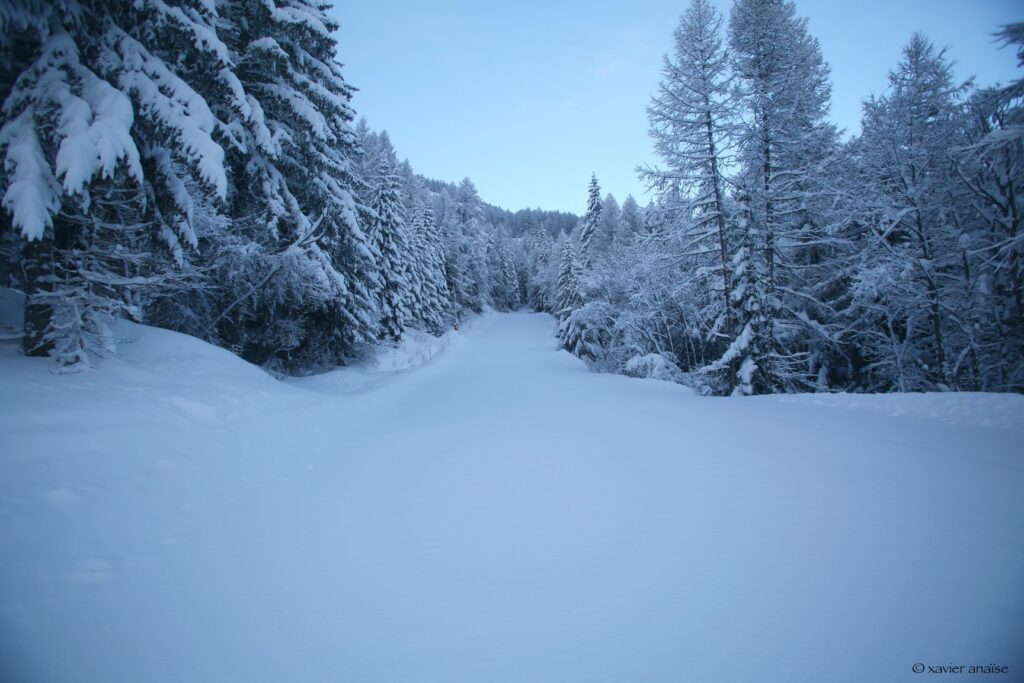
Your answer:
<point x="417" y="349"/>
<point x="156" y="376"/>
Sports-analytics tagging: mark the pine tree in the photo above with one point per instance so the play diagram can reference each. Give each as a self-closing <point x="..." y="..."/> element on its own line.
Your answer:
<point x="300" y="272"/>
<point x="631" y="224"/>
<point x="102" y="137"/>
<point x="465" y="257"/>
<point x="568" y="293"/>
<point x="591" y="223"/>
<point x="541" y="273"/>
<point x="746" y="353"/>
<point x="435" y="299"/>
<point x="388" y="231"/>
<point x="502" y="273"/>
<point x="568" y="281"/>
<point x="611" y="225"/>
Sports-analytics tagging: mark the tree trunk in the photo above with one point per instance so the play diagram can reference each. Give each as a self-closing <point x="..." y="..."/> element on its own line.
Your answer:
<point x="768" y="306"/>
<point x="39" y="279"/>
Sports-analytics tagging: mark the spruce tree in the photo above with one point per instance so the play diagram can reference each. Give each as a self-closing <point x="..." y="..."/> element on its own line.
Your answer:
<point x="104" y="132"/>
<point x="435" y="299"/>
<point x="568" y="293"/>
<point x="631" y="224"/>
<point x="591" y="223"/>
<point x="388" y="231"/>
<point x="465" y="253"/>
<point x="302" y="281"/>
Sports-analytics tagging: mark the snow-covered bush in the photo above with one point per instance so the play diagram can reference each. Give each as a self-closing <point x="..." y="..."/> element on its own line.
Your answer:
<point x="654" y="366"/>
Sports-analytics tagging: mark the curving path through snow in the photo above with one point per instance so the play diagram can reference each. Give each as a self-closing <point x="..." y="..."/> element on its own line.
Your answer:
<point x="499" y="514"/>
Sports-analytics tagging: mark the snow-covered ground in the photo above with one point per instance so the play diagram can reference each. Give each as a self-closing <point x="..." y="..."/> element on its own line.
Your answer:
<point x="482" y="508"/>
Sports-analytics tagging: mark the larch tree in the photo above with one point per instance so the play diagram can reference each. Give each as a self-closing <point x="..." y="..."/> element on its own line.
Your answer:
<point x="692" y="120"/>
<point x="911" y="265"/>
<point x="991" y="166"/>
<point x="784" y="141"/>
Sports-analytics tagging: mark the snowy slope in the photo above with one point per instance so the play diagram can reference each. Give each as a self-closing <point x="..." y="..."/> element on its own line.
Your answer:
<point x="485" y="509"/>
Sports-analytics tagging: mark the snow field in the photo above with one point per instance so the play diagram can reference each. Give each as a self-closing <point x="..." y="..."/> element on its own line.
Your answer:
<point x="483" y="508"/>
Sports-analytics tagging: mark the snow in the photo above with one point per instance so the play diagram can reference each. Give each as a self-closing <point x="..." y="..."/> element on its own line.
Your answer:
<point x="32" y="195"/>
<point x="96" y="134"/>
<point x="205" y="38"/>
<point x="269" y="46"/>
<point x="183" y="202"/>
<point x="653" y="366"/>
<point x="93" y="130"/>
<point x="490" y="511"/>
<point x="172" y="103"/>
<point x="301" y="107"/>
<point x="416" y="350"/>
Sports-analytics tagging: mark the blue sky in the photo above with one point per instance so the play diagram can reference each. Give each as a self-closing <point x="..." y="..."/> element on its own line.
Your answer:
<point x="528" y="98"/>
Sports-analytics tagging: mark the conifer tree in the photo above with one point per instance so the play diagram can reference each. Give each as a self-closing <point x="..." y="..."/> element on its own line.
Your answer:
<point x="631" y="224"/>
<point x="784" y="142"/>
<point x="611" y="224"/>
<point x="302" y="281"/>
<point x="568" y="292"/>
<point x="465" y="257"/>
<point x="591" y="223"/>
<point x="911" y="256"/>
<point x="692" y="121"/>
<point x="991" y="166"/>
<point x="435" y="298"/>
<point x="388" y="232"/>
<point x="101" y="136"/>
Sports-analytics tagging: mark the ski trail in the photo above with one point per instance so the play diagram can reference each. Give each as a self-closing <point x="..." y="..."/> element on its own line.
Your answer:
<point x="502" y="514"/>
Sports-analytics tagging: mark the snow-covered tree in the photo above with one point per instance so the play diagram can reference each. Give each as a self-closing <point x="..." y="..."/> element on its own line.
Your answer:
<point x="911" y="260"/>
<point x="302" y="290"/>
<point x="568" y="293"/>
<point x="991" y="166"/>
<point x="389" y="234"/>
<point x="502" y="271"/>
<point x="465" y="257"/>
<point x="610" y="226"/>
<point x="631" y="224"/>
<point x="591" y="223"/>
<point x="95" y="149"/>
<point x="435" y="299"/>
<point x="784" y="143"/>
<point x="692" y="119"/>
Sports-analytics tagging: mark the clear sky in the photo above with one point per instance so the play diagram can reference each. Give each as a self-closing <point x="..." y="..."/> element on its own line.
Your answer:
<point x="529" y="97"/>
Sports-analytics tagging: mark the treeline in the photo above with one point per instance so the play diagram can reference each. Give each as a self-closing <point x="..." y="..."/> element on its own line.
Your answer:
<point x="778" y="258"/>
<point x="194" y="165"/>
<point x="516" y="223"/>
